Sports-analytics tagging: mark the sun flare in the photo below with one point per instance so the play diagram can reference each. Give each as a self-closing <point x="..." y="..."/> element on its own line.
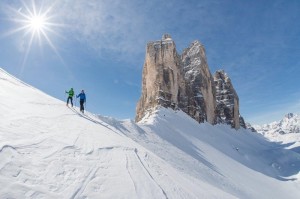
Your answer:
<point x="37" y="23"/>
<point x="35" y="20"/>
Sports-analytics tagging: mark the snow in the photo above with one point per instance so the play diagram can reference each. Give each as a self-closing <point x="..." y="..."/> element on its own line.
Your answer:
<point x="289" y="124"/>
<point x="159" y="43"/>
<point x="48" y="150"/>
<point x="195" y="49"/>
<point x="285" y="131"/>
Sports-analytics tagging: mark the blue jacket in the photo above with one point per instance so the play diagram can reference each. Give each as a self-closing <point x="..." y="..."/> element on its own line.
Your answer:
<point x="81" y="96"/>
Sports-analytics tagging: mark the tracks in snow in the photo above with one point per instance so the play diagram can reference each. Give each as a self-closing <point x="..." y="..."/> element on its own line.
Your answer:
<point x="72" y="172"/>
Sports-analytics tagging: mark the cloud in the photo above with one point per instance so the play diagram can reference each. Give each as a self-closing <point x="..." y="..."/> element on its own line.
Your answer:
<point x="121" y="28"/>
<point x="107" y="26"/>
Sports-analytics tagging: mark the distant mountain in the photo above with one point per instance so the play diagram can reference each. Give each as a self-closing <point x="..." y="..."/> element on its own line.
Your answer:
<point x="289" y="124"/>
<point x="285" y="131"/>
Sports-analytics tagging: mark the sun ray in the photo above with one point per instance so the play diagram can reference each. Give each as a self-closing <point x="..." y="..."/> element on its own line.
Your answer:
<point x="14" y="31"/>
<point x="27" y="53"/>
<point x="35" y="21"/>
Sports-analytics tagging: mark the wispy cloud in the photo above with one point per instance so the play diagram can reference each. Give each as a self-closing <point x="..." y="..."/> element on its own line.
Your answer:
<point x="107" y="26"/>
<point x="121" y="28"/>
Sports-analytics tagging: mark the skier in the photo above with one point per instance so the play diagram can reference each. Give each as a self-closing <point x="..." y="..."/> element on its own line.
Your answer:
<point x="82" y="100"/>
<point x="70" y="97"/>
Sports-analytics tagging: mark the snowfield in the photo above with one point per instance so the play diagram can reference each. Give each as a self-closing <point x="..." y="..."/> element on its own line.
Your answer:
<point x="286" y="131"/>
<point x="49" y="150"/>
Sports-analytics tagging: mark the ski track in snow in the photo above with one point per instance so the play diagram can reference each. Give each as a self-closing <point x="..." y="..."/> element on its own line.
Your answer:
<point x="65" y="165"/>
<point x="48" y="150"/>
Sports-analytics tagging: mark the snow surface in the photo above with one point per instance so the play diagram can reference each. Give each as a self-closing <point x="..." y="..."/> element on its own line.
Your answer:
<point x="285" y="131"/>
<point x="48" y="150"/>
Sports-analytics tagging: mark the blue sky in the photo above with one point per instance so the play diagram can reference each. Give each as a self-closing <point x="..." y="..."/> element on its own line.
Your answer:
<point x="99" y="46"/>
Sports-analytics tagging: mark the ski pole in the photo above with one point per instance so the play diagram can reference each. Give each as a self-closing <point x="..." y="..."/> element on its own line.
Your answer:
<point x="65" y="95"/>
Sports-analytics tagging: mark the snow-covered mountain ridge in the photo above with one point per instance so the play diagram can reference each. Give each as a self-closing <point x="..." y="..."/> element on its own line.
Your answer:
<point x="48" y="150"/>
<point x="289" y="124"/>
<point x="286" y="131"/>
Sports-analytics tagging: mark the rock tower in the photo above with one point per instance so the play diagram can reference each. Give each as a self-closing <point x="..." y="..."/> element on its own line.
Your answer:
<point x="185" y="82"/>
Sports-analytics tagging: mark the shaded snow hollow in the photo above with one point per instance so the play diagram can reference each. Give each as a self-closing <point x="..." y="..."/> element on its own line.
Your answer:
<point x="48" y="150"/>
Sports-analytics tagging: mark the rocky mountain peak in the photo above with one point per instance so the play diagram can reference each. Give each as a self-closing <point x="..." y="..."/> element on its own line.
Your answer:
<point x="185" y="82"/>
<point x="196" y="43"/>
<point x="166" y="36"/>
<point x="199" y="84"/>
<point x="222" y="75"/>
<point x="289" y="115"/>
<point x="162" y="79"/>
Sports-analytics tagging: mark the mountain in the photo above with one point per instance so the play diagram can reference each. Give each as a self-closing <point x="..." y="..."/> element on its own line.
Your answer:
<point x="185" y="82"/>
<point x="289" y="124"/>
<point x="227" y="109"/>
<point x="48" y="150"/>
<point x="287" y="131"/>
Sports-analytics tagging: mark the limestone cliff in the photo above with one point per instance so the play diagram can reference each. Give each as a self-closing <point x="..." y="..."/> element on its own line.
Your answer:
<point x="162" y="76"/>
<point x="185" y="82"/>
<point x="199" y="84"/>
<point x="227" y="109"/>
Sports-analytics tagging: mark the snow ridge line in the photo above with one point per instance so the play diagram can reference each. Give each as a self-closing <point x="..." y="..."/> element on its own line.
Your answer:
<point x="136" y="152"/>
<point x="7" y="146"/>
<point x="22" y="146"/>
<point x="60" y="150"/>
<point x="13" y="77"/>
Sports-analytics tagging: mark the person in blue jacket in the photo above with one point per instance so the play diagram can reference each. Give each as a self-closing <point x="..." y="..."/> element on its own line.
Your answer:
<point x="82" y="99"/>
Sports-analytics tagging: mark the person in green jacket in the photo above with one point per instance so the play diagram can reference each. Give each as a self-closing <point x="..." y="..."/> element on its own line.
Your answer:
<point x="71" y="94"/>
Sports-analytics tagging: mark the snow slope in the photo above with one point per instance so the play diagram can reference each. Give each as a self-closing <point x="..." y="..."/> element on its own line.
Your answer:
<point x="286" y="131"/>
<point x="48" y="150"/>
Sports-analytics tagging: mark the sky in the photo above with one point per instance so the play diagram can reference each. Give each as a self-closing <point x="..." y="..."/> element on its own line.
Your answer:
<point x="99" y="46"/>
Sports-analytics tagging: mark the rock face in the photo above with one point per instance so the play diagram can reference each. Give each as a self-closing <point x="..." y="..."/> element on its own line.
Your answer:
<point x="200" y="91"/>
<point x="227" y="109"/>
<point x="162" y="77"/>
<point x="185" y="82"/>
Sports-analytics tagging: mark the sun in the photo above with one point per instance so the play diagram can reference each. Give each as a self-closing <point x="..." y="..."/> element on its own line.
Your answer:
<point x="38" y="23"/>
<point x="35" y="20"/>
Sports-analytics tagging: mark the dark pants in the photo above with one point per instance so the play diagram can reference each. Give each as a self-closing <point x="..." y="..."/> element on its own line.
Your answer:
<point x="81" y="105"/>
<point x="70" y="98"/>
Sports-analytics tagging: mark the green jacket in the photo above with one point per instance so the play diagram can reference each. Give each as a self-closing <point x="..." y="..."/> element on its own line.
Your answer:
<point x="71" y="93"/>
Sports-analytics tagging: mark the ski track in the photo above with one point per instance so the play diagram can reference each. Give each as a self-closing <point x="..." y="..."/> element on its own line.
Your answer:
<point x="131" y="175"/>
<point x="64" y="165"/>
<point x="148" y="172"/>
<point x="48" y="150"/>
